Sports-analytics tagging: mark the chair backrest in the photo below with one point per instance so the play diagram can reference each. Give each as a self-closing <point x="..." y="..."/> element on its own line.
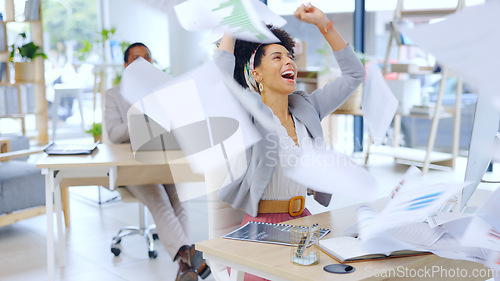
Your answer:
<point x="21" y="183"/>
<point x="18" y="142"/>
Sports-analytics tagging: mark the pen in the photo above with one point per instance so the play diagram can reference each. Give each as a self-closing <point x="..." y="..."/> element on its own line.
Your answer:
<point x="301" y="246"/>
<point x="305" y="240"/>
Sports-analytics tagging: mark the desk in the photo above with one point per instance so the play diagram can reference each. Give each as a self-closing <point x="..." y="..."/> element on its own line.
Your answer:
<point x="109" y="165"/>
<point x="273" y="261"/>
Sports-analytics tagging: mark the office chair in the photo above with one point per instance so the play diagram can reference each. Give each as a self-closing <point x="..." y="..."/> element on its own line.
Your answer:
<point x="22" y="186"/>
<point x="148" y="231"/>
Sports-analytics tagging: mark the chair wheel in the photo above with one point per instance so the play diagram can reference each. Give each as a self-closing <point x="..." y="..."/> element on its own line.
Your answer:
<point x="153" y="254"/>
<point x="155" y="236"/>
<point x="116" y="251"/>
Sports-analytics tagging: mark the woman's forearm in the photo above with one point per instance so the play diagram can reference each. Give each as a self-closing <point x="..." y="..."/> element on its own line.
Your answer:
<point x="333" y="37"/>
<point x="227" y="43"/>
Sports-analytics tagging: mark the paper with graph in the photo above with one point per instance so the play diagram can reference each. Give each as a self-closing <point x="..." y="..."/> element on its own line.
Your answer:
<point x="244" y="19"/>
<point x="409" y="209"/>
<point x="417" y="203"/>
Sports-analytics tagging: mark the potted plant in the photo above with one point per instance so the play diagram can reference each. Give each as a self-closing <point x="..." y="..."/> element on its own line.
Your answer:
<point x="23" y="58"/>
<point x="96" y="131"/>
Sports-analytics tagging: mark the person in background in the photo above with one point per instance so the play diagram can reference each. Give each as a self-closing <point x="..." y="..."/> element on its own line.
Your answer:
<point x="269" y="73"/>
<point x="161" y="199"/>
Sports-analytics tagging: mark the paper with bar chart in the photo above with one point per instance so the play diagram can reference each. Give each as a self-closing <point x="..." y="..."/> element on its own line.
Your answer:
<point x="245" y="20"/>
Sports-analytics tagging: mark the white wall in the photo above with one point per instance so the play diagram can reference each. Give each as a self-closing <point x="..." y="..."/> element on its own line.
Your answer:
<point x="137" y="22"/>
<point x="186" y="51"/>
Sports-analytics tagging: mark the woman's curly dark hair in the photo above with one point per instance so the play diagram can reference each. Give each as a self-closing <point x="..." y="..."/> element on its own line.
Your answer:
<point x="243" y="50"/>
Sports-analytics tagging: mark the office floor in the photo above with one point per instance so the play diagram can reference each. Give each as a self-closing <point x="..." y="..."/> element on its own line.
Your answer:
<point x="23" y="248"/>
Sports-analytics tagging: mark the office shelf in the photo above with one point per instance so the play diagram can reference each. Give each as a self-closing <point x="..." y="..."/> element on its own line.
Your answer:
<point x="424" y="158"/>
<point x="40" y="110"/>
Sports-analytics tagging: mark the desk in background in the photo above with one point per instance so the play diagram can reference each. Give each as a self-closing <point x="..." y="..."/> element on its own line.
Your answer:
<point x="108" y="165"/>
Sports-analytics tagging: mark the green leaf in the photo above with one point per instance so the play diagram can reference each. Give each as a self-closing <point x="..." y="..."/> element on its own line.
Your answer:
<point x="28" y="51"/>
<point x="96" y="129"/>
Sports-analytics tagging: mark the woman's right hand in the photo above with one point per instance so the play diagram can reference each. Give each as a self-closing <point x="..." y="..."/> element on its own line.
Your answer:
<point x="310" y="14"/>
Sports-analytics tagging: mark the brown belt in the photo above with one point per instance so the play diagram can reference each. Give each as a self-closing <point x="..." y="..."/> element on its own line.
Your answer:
<point x="294" y="206"/>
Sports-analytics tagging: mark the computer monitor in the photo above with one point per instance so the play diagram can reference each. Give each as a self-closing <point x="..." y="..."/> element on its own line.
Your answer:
<point x="484" y="130"/>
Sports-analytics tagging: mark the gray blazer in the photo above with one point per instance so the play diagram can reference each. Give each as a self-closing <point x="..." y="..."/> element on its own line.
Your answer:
<point x="115" y="116"/>
<point x="246" y="191"/>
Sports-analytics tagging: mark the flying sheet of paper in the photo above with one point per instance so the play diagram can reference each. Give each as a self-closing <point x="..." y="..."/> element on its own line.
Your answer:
<point x="466" y="43"/>
<point x="413" y="205"/>
<point x="410" y="176"/>
<point x="244" y="19"/>
<point x="457" y="227"/>
<point x="418" y="233"/>
<point x="490" y="210"/>
<point x="365" y="215"/>
<point x="165" y="6"/>
<point x="140" y="79"/>
<point x="445" y="217"/>
<point x="417" y="236"/>
<point x="389" y="241"/>
<point x="208" y="122"/>
<point x="421" y="200"/>
<point x="217" y="100"/>
<point x="493" y="261"/>
<point x="331" y="172"/>
<point x="380" y="235"/>
<point x="375" y="242"/>
<point x="179" y="101"/>
<point x="449" y="247"/>
<point x="379" y="104"/>
<point x="481" y="234"/>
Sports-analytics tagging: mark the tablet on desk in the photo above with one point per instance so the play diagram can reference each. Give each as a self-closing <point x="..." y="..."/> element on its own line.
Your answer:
<point x="70" y="149"/>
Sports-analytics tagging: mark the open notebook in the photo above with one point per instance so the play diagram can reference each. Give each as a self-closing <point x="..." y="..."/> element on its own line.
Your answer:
<point x="350" y="249"/>
<point x="70" y="149"/>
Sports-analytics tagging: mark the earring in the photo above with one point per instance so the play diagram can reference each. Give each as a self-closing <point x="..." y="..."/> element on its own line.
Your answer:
<point x="261" y="88"/>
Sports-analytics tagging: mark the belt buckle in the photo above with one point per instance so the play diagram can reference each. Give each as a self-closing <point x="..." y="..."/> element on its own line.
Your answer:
<point x="302" y="204"/>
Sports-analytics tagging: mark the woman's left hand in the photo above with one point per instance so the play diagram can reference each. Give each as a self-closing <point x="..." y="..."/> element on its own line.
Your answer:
<point x="310" y="14"/>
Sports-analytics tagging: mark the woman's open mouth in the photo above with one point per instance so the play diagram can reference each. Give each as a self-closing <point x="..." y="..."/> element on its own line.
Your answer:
<point x="288" y="75"/>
